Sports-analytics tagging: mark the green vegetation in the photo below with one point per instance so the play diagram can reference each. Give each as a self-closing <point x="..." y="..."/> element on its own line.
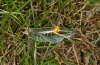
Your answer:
<point x="17" y="48"/>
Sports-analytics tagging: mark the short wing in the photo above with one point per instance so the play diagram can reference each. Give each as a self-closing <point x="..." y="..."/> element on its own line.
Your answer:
<point x="58" y="38"/>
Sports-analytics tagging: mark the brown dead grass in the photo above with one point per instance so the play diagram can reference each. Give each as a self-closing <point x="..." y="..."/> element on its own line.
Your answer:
<point x="82" y="18"/>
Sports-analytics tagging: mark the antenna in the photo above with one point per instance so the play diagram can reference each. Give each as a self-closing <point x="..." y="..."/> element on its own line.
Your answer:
<point x="61" y="22"/>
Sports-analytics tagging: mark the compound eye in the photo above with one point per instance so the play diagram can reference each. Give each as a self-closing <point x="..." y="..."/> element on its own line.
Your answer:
<point x="25" y="31"/>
